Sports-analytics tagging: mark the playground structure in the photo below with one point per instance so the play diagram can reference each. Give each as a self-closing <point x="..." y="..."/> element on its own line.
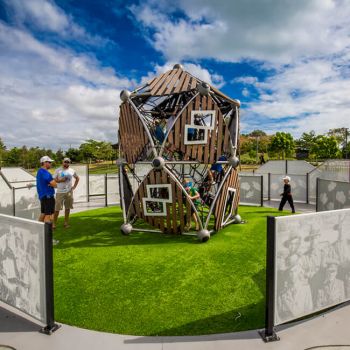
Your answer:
<point x="184" y="133"/>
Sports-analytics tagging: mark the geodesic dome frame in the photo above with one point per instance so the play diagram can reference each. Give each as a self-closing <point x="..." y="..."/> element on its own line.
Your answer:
<point x="181" y="128"/>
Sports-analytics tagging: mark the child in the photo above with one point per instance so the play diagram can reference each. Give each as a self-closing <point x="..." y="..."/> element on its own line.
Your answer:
<point x="287" y="195"/>
<point x="195" y="197"/>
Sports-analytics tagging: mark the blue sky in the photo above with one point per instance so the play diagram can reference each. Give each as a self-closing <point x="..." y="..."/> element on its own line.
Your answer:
<point x="63" y="63"/>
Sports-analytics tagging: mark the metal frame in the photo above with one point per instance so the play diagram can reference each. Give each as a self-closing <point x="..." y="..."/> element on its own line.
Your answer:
<point x="168" y="186"/>
<point x="196" y="142"/>
<point x="199" y="111"/>
<point x="229" y="189"/>
<point x="228" y="172"/>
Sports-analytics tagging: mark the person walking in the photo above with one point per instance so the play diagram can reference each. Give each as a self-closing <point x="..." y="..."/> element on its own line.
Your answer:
<point x="64" y="195"/>
<point x="287" y="195"/>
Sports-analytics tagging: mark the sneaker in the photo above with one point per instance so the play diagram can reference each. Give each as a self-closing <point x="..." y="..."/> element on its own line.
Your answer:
<point x="55" y="241"/>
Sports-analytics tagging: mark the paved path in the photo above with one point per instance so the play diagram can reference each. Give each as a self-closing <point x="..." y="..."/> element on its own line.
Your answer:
<point x="299" y="207"/>
<point x="331" y="328"/>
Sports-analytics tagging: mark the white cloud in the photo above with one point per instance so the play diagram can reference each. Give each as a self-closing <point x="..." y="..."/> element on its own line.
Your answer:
<point x="314" y="94"/>
<point x="51" y="97"/>
<point x="47" y="16"/>
<point x="274" y="31"/>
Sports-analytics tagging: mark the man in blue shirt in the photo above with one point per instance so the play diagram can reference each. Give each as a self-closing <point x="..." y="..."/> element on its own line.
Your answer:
<point x="45" y="185"/>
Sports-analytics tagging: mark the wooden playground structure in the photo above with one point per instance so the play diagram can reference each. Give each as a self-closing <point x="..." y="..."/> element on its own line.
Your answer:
<point x="187" y="133"/>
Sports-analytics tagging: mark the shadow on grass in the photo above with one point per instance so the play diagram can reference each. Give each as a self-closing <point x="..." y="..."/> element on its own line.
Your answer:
<point x="249" y="317"/>
<point x="104" y="230"/>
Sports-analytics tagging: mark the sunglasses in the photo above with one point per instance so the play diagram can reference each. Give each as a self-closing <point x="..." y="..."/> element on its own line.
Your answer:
<point x="66" y="162"/>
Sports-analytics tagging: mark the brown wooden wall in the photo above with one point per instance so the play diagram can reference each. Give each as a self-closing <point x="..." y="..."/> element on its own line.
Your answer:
<point x="133" y="137"/>
<point x="232" y="181"/>
<point x="218" y="139"/>
<point x="174" y="221"/>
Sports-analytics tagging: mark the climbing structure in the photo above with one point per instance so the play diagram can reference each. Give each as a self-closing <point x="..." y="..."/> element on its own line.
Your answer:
<point x="183" y="134"/>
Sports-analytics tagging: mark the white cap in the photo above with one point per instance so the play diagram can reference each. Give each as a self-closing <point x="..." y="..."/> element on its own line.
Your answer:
<point x="67" y="160"/>
<point x="286" y="178"/>
<point x="46" y="159"/>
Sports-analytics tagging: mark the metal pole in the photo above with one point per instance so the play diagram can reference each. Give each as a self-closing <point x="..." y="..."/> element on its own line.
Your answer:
<point x="106" y="186"/>
<point x="88" y="183"/>
<point x="346" y="143"/>
<point x="269" y="334"/>
<point x="262" y="189"/>
<point x="121" y="192"/>
<point x="14" y="201"/>
<point x="228" y="172"/>
<point x="51" y="326"/>
<point x="317" y="188"/>
<point x="307" y="188"/>
<point x="269" y="186"/>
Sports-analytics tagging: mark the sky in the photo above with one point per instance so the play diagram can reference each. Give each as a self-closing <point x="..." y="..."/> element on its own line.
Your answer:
<point x="63" y="63"/>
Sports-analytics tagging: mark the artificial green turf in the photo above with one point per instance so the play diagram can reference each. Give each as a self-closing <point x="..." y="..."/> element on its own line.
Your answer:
<point x="155" y="284"/>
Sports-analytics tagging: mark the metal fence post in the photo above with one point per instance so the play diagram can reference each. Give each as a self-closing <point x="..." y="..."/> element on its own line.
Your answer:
<point x="262" y="189"/>
<point x="286" y="166"/>
<point x="51" y="326"/>
<point x="88" y="182"/>
<point x="269" y="186"/>
<point x="307" y="188"/>
<point x="106" y="191"/>
<point x="317" y="188"/>
<point x="14" y="201"/>
<point x="269" y="334"/>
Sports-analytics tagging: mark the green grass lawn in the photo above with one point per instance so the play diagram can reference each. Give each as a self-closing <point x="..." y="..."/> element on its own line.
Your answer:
<point x="154" y="284"/>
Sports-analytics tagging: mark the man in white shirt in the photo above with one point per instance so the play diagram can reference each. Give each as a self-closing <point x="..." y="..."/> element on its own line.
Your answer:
<point x="64" y="193"/>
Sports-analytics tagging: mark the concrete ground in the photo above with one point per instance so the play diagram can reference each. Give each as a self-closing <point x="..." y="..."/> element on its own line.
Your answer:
<point x="329" y="331"/>
<point x="299" y="207"/>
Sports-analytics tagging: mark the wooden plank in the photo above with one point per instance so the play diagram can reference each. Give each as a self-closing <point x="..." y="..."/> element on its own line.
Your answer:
<point x="194" y="83"/>
<point x="173" y="187"/>
<point x="158" y="90"/>
<point x="220" y="132"/>
<point x="180" y="82"/>
<point x="165" y="180"/>
<point x="152" y="82"/>
<point x="185" y="86"/>
<point x="159" y="180"/>
<point x="201" y="148"/>
<point x="159" y="82"/>
<point x="212" y="152"/>
<point x="181" y="209"/>
<point x="172" y="83"/>
<point x="227" y="139"/>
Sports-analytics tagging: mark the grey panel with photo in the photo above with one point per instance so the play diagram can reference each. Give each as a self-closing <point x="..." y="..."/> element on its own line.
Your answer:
<point x="250" y="190"/>
<point x="312" y="263"/>
<point x="22" y="265"/>
<point x="333" y="195"/>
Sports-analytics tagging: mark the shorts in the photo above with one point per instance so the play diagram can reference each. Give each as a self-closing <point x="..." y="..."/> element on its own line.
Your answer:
<point x="64" y="198"/>
<point x="47" y="205"/>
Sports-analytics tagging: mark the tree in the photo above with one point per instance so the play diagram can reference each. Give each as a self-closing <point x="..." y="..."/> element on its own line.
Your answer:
<point x="256" y="133"/>
<point x="74" y="154"/>
<point x="326" y="147"/>
<point x="283" y="144"/>
<point x="307" y="140"/>
<point x="341" y="135"/>
<point x="2" y="151"/>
